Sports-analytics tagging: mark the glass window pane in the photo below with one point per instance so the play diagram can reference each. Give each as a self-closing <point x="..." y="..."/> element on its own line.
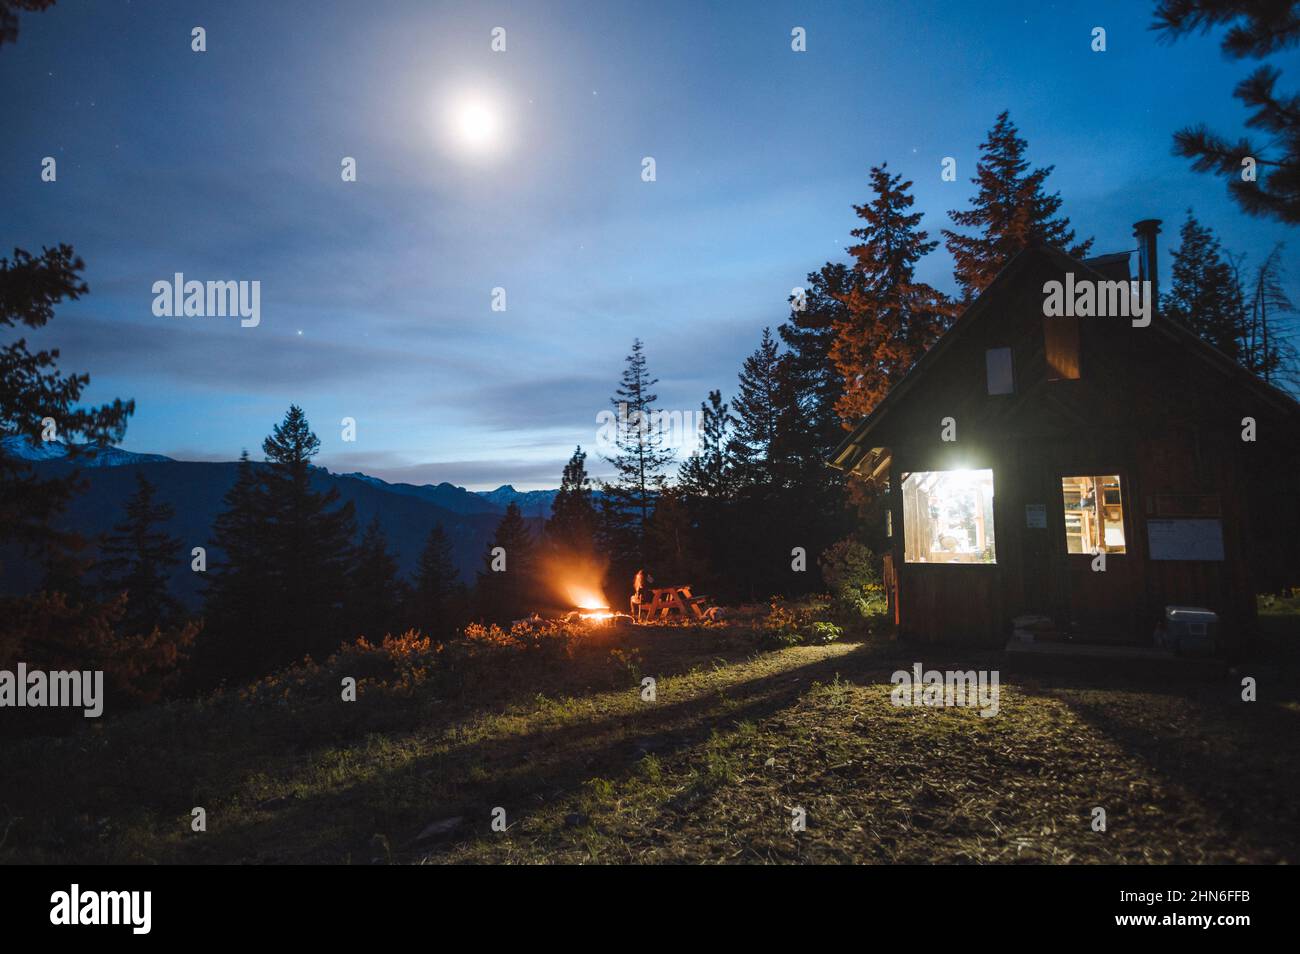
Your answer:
<point x="1094" y="514"/>
<point x="948" y="517"/>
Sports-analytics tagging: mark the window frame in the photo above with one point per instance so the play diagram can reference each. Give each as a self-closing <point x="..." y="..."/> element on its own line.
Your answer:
<point x="901" y="537"/>
<point x="1126" y="522"/>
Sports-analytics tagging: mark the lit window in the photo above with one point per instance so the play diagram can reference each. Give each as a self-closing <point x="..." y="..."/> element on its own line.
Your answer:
<point x="1094" y="514"/>
<point x="997" y="365"/>
<point x="948" y="517"/>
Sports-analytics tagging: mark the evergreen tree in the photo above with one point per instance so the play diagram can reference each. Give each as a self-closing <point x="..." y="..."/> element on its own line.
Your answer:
<point x="1204" y="295"/>
<point x="309" y="543"/>
<point x="814" y="507"/>
<point x="66" y="625"/>
<point x="376" y="593"/>
<point x="138" y="557"/>
<point x="235" y="640"/>
<point x="9" y="16"/>
<point x="762" y="407"/>
<point x="709" y="472"/>
<point x="707" y="486"/>
<point x="673" y="541"/>
<point x="1256" y="28"/>
<point x="281" y="586"/>
<point x="1267" y="353"/>
<point x="572" y="526"/>
<point x="33" y="392"/>
<point x="640" y="458"/>
<point x="809" y="334"/>
<point x="510" y="593"/>
<point x="890" y="319"/>
<point x="1010" y="211"/>
<point x="437" y="596"/>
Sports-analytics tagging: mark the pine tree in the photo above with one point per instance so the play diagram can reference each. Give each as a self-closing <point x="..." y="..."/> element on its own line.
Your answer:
<point x="510" y="593"/>
<point x="709" y="472"/>
<point x="236" y="639"/>
<point x="138" y="557"/>
<point x="437" y="596"/>
<point x="1011" y="210"/>
<point x="890" y="319"/>
<point x="376" y="594"/>
<point x="640" y="459"/>
<point x="1256" y="28"/>
<point x="310" y="543"/>
<point x="673" y="540"/>
<point x="33" y="391"/>
<point x="1267" y="353"/>
<point x="572" y="526"/>
<point x="280" y="585"/>
<point x="808" y="334"/>
<point x="1204" y="295"/>
<point x="762" y="403"/>
<point x="9" y="16"/>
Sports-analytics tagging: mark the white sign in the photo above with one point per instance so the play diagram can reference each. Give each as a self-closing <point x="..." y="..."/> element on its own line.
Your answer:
<point x="1185" y="539"/>
<point x="1036" y="515"/>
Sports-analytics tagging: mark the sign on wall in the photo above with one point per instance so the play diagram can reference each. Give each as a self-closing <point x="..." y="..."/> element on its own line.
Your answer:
<point x="1185" y="539"/>
<point x="1036" y="516"/>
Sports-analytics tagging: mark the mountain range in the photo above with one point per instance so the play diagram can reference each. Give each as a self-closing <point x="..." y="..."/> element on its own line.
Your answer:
<point x="195" y="489"/>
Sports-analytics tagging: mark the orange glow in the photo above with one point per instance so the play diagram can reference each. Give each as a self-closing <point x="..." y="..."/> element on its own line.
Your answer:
<point x="583" y="596"/>
<point x="576" y="581"/>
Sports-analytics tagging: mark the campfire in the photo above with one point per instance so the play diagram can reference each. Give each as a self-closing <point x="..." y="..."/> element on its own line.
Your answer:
<point x="591" y="606"/>
<point x="576" y="582"/>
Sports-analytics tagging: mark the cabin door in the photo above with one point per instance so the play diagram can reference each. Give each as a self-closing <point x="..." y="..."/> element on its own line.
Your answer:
<point x="1102" y="583"/>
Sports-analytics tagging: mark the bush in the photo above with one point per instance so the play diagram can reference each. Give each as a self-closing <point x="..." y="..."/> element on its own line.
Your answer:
<point x="55" y="631"/>
<point x="547" y="637"/>
<point x="849" y="569"/>
<point x="787" y="625"/>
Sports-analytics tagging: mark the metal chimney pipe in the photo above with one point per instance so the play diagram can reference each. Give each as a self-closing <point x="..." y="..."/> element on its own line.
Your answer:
<point x="1146" y="232"/>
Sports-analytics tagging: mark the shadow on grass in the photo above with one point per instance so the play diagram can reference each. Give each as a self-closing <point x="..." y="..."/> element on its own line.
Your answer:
<point x="1237" y="761"/>
<point x="519" y="772"/>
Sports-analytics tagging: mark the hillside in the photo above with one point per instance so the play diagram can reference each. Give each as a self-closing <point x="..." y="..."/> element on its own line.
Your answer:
<point x="195" y="491"/>
<point x="586" y="770"/>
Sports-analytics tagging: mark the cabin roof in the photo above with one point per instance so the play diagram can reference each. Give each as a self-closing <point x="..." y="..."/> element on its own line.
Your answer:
<point x="858" y="446"/>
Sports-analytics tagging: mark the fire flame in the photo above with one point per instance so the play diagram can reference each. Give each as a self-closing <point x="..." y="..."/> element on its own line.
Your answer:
<point x="576" y="579"/>
<point x="584" y="597"/>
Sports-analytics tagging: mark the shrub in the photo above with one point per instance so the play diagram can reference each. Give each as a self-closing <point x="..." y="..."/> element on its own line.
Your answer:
<point x="787" y="625"/>
<point x="55" y="631"/>
<point x="547" y="637"/>
<point x="849" y="569"/>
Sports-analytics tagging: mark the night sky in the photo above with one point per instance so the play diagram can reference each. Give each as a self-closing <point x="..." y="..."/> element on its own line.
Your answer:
<point x="376" y="294"/>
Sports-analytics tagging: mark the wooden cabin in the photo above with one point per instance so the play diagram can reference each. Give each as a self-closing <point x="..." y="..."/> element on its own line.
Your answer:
<point x="1074" y="438"/>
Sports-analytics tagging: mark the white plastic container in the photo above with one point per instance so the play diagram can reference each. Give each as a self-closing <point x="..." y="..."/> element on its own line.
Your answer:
<point x="1192" y="630"/>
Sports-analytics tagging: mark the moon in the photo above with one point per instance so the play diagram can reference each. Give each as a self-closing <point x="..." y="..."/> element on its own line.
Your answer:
<point x="477" y="124"/>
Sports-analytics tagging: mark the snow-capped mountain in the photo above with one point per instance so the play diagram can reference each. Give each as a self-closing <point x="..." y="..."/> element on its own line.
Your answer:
<point x="88" y="456"/>
<point x="531" y="502"/>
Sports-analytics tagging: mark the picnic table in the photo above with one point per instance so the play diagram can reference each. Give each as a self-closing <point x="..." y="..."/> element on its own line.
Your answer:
<point x="666" y="600"/>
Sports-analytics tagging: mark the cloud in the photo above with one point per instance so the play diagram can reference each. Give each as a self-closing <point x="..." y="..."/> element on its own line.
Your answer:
<point x="217" y="353"/>
<point x="562" y="402"/>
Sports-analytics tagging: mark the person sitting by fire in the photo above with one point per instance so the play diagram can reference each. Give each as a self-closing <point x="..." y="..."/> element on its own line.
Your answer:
<point x="639" y="592"/>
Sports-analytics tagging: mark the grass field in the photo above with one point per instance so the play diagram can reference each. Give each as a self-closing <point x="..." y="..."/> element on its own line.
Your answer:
<point x="711" y="771"/>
